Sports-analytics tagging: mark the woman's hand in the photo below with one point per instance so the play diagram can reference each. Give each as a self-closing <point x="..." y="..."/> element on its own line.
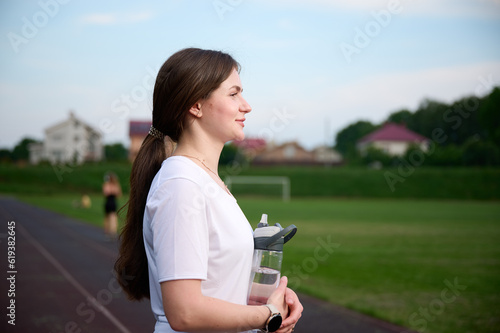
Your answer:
<point x="288" y="304"/>
<point x="277" y="298"/>
<point x="295" y="309"/>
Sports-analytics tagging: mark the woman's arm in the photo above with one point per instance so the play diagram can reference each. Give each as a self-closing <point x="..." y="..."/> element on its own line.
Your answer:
<point x="187" y="309"/>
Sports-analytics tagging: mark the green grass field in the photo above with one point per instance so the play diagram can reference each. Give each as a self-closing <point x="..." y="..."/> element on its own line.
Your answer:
<point x="387" y="258"/>
<point x="391" y="257"/>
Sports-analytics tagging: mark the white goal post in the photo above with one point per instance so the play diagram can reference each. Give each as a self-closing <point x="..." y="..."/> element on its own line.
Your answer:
<point x="283" y="181"/>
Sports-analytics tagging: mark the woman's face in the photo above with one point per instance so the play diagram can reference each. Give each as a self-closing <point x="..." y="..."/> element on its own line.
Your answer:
<point x="223" y="113"/>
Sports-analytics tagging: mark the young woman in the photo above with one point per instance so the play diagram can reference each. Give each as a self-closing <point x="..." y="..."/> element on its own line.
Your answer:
<point x="111" y="190"/>
<point x="186" y="244"/>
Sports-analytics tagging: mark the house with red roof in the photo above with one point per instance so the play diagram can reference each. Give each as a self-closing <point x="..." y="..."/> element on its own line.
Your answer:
<point x="394" y="139"/>
<point x="138" y="129"/>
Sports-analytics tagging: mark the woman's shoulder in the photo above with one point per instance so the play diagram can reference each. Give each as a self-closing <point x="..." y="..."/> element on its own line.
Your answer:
<point x="176" y="177"/>
<point x="179" y="167"/>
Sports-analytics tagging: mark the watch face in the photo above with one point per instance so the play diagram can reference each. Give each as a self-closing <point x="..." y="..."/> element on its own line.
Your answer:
<point x="274" y="323"/>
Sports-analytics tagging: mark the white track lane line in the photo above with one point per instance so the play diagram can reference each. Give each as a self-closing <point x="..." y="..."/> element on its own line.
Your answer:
<point x="98" y="306"/>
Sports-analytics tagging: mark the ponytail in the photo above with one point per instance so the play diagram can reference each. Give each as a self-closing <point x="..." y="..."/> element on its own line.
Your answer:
<point x="132" y="264"/>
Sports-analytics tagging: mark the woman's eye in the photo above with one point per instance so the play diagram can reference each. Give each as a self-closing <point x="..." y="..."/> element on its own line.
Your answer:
<point x="234" y="94"/>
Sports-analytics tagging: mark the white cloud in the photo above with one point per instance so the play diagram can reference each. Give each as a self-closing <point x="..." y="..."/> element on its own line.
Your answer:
<point x="455" y="8"/>
<point x="99" y="19"/>
<point x="116" y="18"/>
<point x="469" y="8"/>
<point x="141" y="16"/>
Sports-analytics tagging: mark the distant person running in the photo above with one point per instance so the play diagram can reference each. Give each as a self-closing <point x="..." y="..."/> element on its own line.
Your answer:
<point x="111" y="190"/>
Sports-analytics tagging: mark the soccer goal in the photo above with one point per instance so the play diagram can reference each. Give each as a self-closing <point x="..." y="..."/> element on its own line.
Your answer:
<point x="284" y="182"/>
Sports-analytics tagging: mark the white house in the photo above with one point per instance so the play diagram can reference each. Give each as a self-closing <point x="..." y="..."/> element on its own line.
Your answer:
<point x="71" y="141"/>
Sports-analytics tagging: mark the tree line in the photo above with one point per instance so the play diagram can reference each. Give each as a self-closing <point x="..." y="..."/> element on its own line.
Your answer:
<point x="469" y="133"/>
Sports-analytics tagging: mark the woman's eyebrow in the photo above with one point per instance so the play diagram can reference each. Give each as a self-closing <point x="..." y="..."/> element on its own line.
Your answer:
<point x="238" y="88"/>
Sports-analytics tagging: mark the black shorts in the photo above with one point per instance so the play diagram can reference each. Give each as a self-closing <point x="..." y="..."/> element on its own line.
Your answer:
<point x="110" y="205"/>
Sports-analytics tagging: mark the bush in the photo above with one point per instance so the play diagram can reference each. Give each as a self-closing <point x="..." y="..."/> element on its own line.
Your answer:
<point x="450" y="155"/>
<point x="481" y="153"/>
<point x="375" y="156"/>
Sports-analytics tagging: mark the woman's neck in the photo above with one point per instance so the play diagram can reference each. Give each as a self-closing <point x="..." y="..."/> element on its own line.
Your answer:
<point x="202" y="149"/>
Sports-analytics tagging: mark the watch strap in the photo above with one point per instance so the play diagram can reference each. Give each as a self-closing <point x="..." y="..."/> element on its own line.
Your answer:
<point x="273" y="309"/>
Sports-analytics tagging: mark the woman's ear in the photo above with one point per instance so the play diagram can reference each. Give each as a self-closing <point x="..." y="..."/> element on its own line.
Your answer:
<point x="195" y="110"/>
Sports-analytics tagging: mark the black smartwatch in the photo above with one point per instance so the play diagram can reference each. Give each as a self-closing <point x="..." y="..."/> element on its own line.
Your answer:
<point x="275" y="319"/>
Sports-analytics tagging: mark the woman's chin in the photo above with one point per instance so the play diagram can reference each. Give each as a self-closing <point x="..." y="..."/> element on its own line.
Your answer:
<point x="240" y="137"/>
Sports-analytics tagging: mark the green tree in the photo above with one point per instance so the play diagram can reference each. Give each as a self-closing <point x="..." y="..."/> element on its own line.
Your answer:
<point x="400" y="117"/>
<point x="462" y="120"/>
<point x="428" y="117"/>
<point x="115" y="152"/>
<point x="346" y="139"/>
<point x="481" y="153"/>
<point x="459" y="121"/>
<point x="21" y="151"/>
<point x="489" y="116"/>
<point x="5" y="155"/>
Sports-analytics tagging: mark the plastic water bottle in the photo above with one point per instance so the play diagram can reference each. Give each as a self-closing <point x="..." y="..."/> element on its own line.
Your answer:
<point x="267" y="259"/>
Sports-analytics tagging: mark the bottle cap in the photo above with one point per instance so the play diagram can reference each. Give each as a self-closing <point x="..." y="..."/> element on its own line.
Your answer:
<point x="272" y="238"/>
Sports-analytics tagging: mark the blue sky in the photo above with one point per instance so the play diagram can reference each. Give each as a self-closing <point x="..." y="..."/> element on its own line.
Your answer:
<point x="309" y="68"/>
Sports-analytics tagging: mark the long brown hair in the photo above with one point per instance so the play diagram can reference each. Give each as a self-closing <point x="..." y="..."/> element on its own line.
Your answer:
<point x="185" y="78"/>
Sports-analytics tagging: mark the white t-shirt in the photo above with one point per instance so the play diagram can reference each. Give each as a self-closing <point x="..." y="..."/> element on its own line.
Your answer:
<point x="193" y="229"/>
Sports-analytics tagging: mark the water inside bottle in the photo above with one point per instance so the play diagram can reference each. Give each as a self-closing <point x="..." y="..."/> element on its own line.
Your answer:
<point x="268" y="276"/>
<point x="265" y="281"/>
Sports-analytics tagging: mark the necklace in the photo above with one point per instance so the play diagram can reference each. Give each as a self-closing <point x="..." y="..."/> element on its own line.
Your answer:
<point x="201" y="161"/>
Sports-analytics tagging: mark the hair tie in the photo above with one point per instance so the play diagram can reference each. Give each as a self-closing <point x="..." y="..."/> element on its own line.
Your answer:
<point x="157" y="134"/>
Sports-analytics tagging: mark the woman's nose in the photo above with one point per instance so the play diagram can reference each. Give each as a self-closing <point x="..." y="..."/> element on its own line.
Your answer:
<point x="245" y="107"/>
